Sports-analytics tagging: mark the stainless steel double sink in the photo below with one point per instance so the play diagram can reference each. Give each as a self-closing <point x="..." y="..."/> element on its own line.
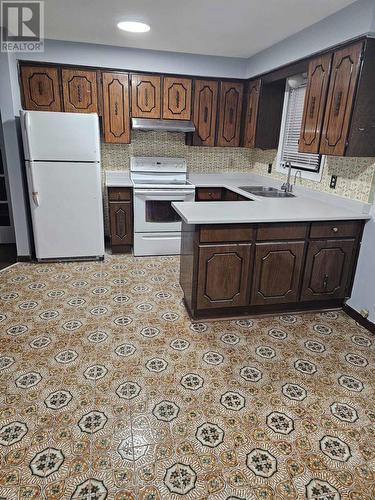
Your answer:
<point x="266" y="192"/>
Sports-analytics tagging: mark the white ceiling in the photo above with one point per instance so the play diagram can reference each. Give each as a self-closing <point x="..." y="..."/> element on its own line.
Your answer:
<point x="235" y="28"/>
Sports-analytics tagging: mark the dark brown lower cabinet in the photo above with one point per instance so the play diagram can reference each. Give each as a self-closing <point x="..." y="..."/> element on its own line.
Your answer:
<point x="120" y="219"/>
<point x="328" y="269"/>
<point x="240" y="269"/>
<point x="223" y="275"/>
<point x="277" y="272"/>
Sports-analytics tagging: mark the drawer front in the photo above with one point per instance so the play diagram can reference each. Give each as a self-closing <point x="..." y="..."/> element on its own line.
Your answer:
<point x="270" y="232"/>
<point x="207" y="194"/>
<point x="226" y="233"/>
<point x="335" y="229"/>
<point x="119" y="194"/>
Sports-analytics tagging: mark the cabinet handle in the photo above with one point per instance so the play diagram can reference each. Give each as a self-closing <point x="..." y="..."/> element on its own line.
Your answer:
<point x="146" y="98"/>
<point x="338" y="103"/>
<point x="205" y="118"/>
<point x="40" y="88"/>
<point x="116" y="108"/>
<point x="325" y="281"/>
<point x="231" y="115"/>
<point x="335" y="229"/>
<point x="177" y="99"/>
<point x="79" y="93"/>
<point x="312" y="106"/>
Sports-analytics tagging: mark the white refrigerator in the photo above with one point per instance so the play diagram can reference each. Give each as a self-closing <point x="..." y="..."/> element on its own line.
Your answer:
<point x="62" y="155"/>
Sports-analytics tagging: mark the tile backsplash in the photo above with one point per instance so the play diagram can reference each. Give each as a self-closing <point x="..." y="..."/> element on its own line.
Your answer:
<point x="200" y="159"/>
<point x="354" y="175"/>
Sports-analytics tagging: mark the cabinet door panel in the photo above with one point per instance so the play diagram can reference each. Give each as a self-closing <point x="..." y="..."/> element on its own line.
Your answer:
<point x="204" y="114"/>
<point x="230" y="108"/>
<point x="277" y="272"/>
<point x="121" y="221"/>
<point x="251" y="113"/>
<point x="145" y="96"/>
<point x="80" y="91"/>
<point x="41" y="88"/>
<point x="116" y="119"/>
<point x="344" y="75"/>
<point x="328" y="269"/>
<point x="315" y="100"/>
<point x="176" y="98"/>
<point x="223" y="276"/>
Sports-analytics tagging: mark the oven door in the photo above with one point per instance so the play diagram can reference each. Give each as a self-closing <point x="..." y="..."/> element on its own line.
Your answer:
<point x="153" y="211"/>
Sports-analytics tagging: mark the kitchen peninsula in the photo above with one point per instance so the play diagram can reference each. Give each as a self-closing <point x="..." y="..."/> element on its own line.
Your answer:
<point x="266" y="255"/>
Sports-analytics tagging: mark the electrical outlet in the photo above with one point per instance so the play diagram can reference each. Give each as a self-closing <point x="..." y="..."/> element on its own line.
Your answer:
<point x="332" y="184"/>
<point x="269" y="168"/>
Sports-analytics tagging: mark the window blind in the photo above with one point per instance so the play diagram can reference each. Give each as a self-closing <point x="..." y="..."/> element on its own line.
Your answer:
<point x="292" y="130"/>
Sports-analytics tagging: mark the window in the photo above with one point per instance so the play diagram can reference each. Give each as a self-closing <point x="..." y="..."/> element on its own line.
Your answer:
<point x="309" y="164"/>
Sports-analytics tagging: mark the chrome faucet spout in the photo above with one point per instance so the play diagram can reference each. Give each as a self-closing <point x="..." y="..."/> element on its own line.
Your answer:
<point x="287" y="186"/>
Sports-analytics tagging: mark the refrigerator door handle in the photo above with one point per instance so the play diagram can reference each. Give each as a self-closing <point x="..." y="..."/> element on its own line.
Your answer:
<point x="34" y="192"/>
<point x="35" y="196"/>
<point x="27" y="130"/>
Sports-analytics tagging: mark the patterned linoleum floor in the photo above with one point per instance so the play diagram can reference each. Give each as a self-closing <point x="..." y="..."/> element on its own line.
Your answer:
<point x="107" y="390"/>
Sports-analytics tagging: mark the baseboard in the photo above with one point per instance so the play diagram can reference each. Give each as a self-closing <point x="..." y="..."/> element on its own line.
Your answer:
<point x="359" y="318"/>
<point x="24" y="258"/>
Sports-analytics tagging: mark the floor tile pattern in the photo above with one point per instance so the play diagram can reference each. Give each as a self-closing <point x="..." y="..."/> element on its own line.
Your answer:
<point x="108" y="390"/>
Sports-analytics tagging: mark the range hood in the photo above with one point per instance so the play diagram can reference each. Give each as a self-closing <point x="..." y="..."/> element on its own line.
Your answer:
<point x="163" y="125"/>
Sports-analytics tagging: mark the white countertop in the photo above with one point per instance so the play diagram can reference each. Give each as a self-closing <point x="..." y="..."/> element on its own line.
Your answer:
<point x="307" y="205"/>
<point x="117" y="178"/>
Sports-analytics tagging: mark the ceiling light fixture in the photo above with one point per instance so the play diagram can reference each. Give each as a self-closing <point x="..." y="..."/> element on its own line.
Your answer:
<point x="133" y="26"/>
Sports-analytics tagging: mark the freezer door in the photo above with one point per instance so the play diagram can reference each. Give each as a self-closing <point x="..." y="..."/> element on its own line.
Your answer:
<point x="66" y="209"/>
<point x="49" y="136"/>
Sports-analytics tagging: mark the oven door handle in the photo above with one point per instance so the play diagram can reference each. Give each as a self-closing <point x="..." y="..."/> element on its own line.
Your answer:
<point x="168" y="192"/>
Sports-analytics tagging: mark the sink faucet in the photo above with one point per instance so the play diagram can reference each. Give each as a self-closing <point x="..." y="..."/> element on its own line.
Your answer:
<point x="287" y="186"/>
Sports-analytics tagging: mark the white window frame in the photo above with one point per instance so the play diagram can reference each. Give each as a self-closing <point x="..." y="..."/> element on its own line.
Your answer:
<point x="305" y="174"/>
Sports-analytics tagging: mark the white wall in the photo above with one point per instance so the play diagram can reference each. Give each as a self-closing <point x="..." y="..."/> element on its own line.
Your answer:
<point x="352" y="21"/>
<point x="363" y="295"/>
<point x="14" y="162"/>
<point x="139" y="59"/>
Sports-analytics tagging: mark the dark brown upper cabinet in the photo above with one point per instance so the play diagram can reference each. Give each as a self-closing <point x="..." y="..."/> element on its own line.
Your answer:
<point x="116" y="113"/>
<point x="204" y="112"/>
<point x="80" y="91"/>
<point x="345" y="70"/>
<point x="252" y="100"/>
<point x="145" y="96"/>
<point x="230" y="108"/>
<point x="361" y="138"/>
<point x="176" y="98"/>
<point x="41" y="88"/>
<point x="314" y="105"/>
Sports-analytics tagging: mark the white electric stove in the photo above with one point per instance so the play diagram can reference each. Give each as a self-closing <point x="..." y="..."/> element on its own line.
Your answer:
<point x="157" y="183"/>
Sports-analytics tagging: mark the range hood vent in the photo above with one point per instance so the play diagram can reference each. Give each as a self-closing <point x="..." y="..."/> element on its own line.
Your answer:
<point x="163" y="125"/>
